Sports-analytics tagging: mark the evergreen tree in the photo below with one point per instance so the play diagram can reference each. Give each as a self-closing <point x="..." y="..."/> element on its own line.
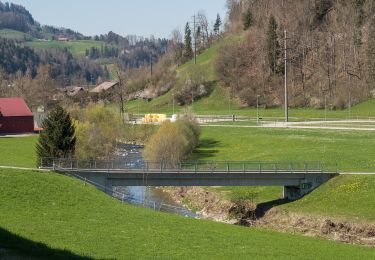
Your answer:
<point x="188" y="50"/>
<point x="273" y="47"/>
<point x="217" y="25"/>
<point x="58" y="138"/>
<point x="247" y="19"/>
<point x="371" y="52"/>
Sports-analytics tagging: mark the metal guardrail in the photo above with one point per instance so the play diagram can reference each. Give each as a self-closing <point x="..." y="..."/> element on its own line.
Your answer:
<point x="189" y="166"/>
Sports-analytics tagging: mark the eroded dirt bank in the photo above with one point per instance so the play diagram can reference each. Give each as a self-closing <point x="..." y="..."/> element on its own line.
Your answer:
<point x="213" y="207"/>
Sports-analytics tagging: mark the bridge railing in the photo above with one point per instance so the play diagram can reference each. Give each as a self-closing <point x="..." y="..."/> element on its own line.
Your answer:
<point x="189" y="166"/>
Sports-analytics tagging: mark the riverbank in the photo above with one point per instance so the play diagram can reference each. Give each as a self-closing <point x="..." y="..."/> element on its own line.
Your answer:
<point x="212" y="206"/>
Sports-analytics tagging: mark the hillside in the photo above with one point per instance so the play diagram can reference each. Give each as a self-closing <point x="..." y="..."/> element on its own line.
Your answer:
<point x="17" y="18"/>
<point x="330" y="52"/>
<point x="330" y="61"/>
<point x="53" y="45"/>
<point x="12" y="34"/>
<point x="75" y="47"/>
<point x="217" y="102"/>
<point x="54" y="216"/>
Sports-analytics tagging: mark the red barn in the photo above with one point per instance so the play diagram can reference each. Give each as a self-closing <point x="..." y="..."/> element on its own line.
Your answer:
<point x="15" y="116"/>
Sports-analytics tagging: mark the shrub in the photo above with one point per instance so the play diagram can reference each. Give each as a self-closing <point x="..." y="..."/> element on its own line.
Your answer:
<point x="173" y="142"/>
<point x="97" y="131"/>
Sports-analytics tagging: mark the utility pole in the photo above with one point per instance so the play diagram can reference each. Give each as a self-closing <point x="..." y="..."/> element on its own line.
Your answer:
<point x="151" y="63"/>
<point x="195" y="41"/>
<point x="325" y="107"/>
<point x="138" y="104"/>
<point x="192" y="97"/>
<point x="173" y="104"/>
<point x="257" y="109"/>
<point x="286" y="78"/>
<point x="230" y="100"/>
<point x="349" y="105"/>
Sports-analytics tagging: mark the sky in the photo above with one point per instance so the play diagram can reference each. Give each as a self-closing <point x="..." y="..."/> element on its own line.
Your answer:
<point x="137" y="17"/>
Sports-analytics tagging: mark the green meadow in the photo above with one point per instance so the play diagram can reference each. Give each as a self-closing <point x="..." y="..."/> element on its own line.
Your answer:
<point x="18" y="151"/>
<point x="50" y="216"/>
<point x="77" y="48"/>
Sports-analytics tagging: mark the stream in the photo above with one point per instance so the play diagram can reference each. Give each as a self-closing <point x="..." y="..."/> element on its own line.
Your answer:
<point x="150" y="197"/>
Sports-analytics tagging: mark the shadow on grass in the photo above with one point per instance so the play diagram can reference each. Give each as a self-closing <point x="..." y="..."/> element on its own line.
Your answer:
<point x="204" y="149"/>
<point x="263" y="208"/>
<point x="25" y="247"/>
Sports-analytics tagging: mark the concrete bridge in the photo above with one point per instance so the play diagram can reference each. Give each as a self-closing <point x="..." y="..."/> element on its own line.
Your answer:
<point x="297" y="178"/>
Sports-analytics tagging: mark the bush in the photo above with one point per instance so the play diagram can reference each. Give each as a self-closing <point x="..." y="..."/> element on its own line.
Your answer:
<point x="97" y="131"/>
<point x="173" y="142"/>
<point x="194" y="88"/>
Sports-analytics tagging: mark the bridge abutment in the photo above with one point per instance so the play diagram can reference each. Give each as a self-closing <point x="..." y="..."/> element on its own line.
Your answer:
<point x="307" y="185"/>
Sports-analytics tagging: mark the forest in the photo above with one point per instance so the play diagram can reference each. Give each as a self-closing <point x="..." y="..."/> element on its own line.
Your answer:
<point x="330" y="47"/>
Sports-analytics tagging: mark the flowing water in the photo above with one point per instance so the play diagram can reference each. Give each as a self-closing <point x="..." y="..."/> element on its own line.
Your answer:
<point x="149" y="197"/>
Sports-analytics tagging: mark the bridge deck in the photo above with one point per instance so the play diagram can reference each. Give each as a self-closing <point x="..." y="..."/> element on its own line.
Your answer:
<point x="120" y="177"/>
<point x="297" y="178"/>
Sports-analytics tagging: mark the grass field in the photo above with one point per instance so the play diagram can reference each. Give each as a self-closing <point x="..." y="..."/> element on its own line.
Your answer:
<point x="349" y="197"/>
<point x="54" y="216"/>
<point x="218" y="103"/>
<point x="352" y="150"/>
<point x="18" y="151"/>
<point x="345" y="197"/>
<point x="12" y="34"/>
<point x="328" y="146"/>
<point x="77" y="48"/>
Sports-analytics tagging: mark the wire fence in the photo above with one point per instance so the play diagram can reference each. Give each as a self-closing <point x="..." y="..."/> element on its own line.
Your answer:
<point x="146" y="203"/>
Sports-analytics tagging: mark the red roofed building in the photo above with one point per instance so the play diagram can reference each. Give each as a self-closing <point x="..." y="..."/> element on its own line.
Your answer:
<point x="15" y="116"/>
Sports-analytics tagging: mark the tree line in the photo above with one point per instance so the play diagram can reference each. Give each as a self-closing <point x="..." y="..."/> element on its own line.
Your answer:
<point x="17" y="17"/>
<point x="15" y="57"/>
<point x="330" y="52"/>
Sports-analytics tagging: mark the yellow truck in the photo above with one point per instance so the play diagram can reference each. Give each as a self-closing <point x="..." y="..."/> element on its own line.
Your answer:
<point x="155" y="118"/>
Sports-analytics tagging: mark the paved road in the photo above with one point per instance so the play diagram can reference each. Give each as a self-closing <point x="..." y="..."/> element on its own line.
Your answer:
<point x="23" y="168"/>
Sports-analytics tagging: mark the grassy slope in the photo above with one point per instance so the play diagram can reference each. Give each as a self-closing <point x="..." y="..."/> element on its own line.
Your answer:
<point x="18" y="151"/>
<point x="12" y="34"/>
<point x="164" y="103"/>
<point x="345" y="197"/>
<point x="218" y="102"/>
<point x="63" y="213"/>
<point x="77" y="48"/>
<point x="349" y="197"/>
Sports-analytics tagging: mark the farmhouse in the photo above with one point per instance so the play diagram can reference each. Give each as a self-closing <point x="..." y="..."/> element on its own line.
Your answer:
<point x="105" y="86"/>
<point x="73" y="91"/>
<point x="63" y="39"/>
<point x="15" y="116"/>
